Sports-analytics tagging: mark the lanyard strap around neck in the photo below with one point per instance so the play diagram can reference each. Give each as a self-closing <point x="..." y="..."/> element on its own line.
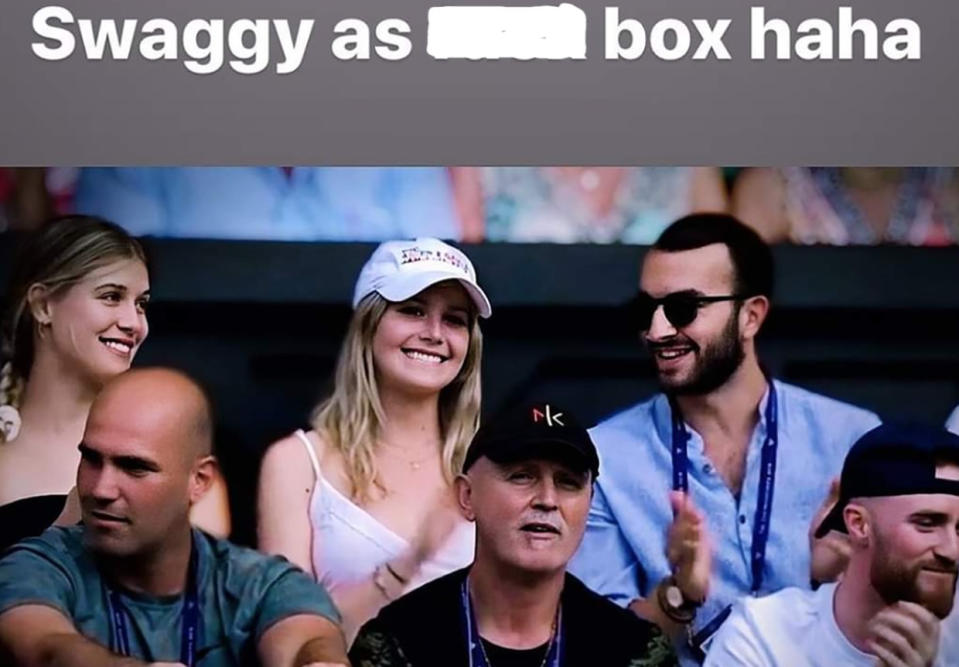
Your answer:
<point x="474" y="642"/>
<point x="767" y="479"/>
<point x="189" y="617"/>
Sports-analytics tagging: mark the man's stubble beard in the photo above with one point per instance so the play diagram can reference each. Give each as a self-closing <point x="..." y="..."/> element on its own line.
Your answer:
<point x="895" y="581"/>
<point x="716" y="362"/>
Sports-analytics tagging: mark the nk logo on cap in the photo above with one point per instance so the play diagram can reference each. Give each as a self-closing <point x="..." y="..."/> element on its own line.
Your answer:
<point x="551" y="418"/>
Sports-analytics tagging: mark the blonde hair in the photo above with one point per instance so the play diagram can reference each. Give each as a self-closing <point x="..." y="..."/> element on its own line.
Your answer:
<point x="351" y="418"/>
<point x="61" y="254"/>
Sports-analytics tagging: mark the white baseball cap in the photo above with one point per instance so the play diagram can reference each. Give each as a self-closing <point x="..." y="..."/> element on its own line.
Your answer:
<point x="398" y="270"/>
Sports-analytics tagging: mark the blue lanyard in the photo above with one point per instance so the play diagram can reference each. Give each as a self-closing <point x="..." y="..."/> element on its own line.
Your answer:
<point x="767" y="480"/>
<point x="475" y="643"/>
<point x="190" y="618"/>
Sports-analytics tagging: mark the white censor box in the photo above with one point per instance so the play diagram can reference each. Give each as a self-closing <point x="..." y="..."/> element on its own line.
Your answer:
<point x="521" y="33"/>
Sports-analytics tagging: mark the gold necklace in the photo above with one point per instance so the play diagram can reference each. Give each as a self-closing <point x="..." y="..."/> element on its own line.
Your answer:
<point x="549" y="646"/>
<point x="414" y="464"/>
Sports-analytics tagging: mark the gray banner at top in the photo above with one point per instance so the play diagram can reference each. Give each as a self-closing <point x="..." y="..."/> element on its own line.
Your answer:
<point x="425" y="109"/>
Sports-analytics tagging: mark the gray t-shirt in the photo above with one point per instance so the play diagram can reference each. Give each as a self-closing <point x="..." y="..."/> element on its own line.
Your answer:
<point x="241" y="594"/>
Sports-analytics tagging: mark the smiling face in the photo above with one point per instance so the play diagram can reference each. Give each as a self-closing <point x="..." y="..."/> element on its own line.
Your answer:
<point x="97" y="324"/>
<point x="530" y="515"/>
<point x="914" y="550"/>
<point x="702" y="355"/>
<point x="420" y="344"/>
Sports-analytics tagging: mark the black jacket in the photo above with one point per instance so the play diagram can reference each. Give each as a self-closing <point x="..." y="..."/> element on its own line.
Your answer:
<point x="424" y="628"/>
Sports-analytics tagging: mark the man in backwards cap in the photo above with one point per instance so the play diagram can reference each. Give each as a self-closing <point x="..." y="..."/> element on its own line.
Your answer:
<point x="527" y="483"/>
<point x="899" y="503"/>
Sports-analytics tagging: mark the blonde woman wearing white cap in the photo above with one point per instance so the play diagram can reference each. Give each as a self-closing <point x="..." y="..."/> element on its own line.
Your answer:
<point x="365" y="500"/>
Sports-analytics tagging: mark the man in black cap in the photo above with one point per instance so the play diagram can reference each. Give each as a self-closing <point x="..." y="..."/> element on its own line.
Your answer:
<point x="527" y="483"/>
<point x="899" y="504"/>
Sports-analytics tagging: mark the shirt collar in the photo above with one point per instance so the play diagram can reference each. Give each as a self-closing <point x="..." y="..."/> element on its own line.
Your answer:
<point x="762" y="407"/>
<point x="827" y="612"/>
<point x="663" y="418"/>
<point x="663" y="414"/>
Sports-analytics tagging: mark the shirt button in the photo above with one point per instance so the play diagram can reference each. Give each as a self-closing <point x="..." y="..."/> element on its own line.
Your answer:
<point x="742" y="518"/>
<point x="708" y="469"/>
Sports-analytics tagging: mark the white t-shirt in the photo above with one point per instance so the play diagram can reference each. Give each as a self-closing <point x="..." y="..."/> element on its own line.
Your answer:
<point x="791" y="628"/>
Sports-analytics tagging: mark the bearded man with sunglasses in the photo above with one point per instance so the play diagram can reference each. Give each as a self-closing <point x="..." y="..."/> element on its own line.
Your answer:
<point x="708" y="490"/>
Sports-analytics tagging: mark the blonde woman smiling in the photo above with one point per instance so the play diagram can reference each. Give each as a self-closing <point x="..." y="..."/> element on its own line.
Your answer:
<point x="76" y="318"/>
<point x="365" y="500"/>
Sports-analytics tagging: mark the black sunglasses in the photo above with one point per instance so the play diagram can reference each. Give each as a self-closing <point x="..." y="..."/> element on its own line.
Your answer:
<point x="680" y="308"/>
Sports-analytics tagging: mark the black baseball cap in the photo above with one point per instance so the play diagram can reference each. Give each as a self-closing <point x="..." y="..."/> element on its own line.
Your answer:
<point x="894" y="460"/>
<point x="533" y="431"/>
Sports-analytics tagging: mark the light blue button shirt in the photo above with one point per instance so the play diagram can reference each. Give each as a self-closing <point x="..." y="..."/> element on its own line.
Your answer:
<point x="311" y="203"/>
<point x="623" y="554"/>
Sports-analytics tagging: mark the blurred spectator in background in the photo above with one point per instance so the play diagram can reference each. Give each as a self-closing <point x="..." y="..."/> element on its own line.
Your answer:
<point x="582" y="204"/>
<point x="280" y="203"/>
<point x="854" y="206"/>
<point x="953" y="422"/>
<point x="24" y="202"/>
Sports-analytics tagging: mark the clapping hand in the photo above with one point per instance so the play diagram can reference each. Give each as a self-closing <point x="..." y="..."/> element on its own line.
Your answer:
<point x="904" y="635"/>
<point x="688" y="548"/>
<point x="830" y="553"/>
<point x="437" y="528"/>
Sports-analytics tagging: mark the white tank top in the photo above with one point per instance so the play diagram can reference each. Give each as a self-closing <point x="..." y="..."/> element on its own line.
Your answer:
<point x="349" y="544"/>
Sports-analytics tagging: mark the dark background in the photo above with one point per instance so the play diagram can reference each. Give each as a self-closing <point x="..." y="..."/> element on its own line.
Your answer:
<point x="260" y="323"/>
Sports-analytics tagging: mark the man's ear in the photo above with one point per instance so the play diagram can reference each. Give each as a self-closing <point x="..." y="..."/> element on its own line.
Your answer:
<point x="858" y="524"/>
<point x="464" y="496"/>
<point x="201" y="477"/>
<point x="38" y="301"/>
<point x="752" y="315"/>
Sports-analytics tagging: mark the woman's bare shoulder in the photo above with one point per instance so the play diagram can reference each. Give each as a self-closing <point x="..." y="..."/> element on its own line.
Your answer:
<point x="23" y="476"/>
<point x="292" y="446"/>
<point x="288" y="455"/>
